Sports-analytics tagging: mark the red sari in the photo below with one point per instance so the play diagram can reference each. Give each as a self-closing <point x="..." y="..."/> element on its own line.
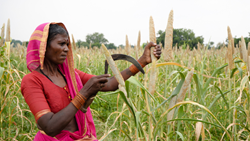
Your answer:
<point x="43" y="96"/>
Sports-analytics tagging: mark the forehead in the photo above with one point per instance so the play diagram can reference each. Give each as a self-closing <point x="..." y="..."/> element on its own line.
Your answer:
<point x="61" y="37"/>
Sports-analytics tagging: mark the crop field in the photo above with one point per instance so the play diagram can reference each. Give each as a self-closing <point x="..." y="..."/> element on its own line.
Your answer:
<point x="199" y="94"/>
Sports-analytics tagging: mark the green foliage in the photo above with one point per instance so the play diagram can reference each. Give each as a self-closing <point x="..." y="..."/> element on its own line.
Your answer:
<point x="15" y="42"/>
<point x="118" y="117"/>
<point x="80" y="43"/>
<point x="96" y="39"/>
<point x="121" y="46"/>
<point x="236" y="40"/>
<point x="182" y="36"/>
<point x="110" y="46"/>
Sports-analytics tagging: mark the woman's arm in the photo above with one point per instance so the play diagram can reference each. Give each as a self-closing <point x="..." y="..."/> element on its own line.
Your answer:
<point x="53" y="124"/>
<point x="145" y="59"/>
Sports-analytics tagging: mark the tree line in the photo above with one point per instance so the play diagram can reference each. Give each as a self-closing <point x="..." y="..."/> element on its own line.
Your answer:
<point x="181" y="37"/>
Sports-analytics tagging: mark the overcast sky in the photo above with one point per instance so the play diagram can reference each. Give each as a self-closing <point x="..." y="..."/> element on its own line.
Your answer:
<point x="118" y="18"/>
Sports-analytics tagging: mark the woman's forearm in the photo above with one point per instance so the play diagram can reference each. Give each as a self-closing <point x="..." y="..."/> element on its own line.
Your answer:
<point x="52" y="124"/>
<point x="112" y="83"/>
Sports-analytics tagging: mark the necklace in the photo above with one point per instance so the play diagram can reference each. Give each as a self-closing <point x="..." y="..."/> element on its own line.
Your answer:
<point x="50" y="79"/>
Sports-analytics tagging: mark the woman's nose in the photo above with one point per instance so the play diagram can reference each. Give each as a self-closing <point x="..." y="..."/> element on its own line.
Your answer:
<point x="66" y="48"/>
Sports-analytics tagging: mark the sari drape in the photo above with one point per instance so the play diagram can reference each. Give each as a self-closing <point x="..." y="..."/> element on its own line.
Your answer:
<point x="35" y="58"/>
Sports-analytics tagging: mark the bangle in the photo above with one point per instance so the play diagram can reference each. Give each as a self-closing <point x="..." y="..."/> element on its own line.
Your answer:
<point x="78" y="101"/>
<point x="134" y="69"/>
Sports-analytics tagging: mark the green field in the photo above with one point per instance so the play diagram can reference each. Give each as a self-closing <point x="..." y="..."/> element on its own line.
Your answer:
<point x="215" y="105"/>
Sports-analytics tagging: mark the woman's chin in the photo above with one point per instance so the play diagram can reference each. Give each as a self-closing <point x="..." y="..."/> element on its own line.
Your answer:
<point x="61" y="61"/>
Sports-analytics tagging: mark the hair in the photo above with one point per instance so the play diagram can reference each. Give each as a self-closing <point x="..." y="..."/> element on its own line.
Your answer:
<point x="55" y="29"/>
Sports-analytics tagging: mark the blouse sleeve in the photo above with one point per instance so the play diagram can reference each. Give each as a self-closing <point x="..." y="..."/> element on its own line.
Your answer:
<point x="84" y="76"/>
<point x="32" y="91"/>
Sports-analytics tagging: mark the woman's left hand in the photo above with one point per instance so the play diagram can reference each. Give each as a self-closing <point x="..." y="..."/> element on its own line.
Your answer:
<point x="146" y="56"/>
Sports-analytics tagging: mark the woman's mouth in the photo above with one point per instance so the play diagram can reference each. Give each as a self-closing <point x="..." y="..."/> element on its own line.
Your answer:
<point x="64" y="56"/>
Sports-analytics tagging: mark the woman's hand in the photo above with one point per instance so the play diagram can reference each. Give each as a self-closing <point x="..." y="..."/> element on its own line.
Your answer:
<point x="146" y="56"/>
<point x="94" y="85"/>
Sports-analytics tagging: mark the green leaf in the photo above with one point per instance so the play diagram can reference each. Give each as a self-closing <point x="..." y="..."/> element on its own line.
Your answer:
<point x="216" y="71"/>
<point x="196" y="120"/>
<point x="181" y="136"/>
<point x="134" y="81"/>
<point x="198" y="87"/>
<point x="110" y="93"/>
<point x="175" y="92"/>
<point x="234" y="70"/>
<point x="181" y="112"/>
<point x="222" y="94"/>
<point x="1" y="71"/>
<point x="130" y="106"/>
<point x="126" y="134"/>
<point x="243" y="83"/>
<point x="127" y="88"/>
<point x="214" y="101"/>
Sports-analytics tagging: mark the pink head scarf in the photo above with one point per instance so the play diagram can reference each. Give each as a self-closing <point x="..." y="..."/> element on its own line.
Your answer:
<point x="35" y="58"/>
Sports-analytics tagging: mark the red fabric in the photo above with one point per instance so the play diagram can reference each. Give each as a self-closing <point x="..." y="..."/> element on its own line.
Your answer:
<point x="84" y="76"/>
<point x="41" y="94"/>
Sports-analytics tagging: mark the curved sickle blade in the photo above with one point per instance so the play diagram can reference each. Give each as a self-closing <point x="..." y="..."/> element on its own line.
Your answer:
<point x="123" y="57"/>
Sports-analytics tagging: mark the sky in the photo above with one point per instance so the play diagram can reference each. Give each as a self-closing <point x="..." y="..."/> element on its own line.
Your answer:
<point x="118" y="18"/>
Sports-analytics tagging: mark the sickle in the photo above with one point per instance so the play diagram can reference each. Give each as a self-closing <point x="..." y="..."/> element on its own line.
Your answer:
<point x="123" y="57"/>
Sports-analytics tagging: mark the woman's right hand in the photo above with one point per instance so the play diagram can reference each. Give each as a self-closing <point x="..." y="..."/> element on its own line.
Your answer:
<point x="94" y="85"/>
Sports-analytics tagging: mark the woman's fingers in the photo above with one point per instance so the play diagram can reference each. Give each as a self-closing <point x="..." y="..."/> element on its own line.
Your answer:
<point x="104" y="75"/>
<point x="157" y="52"/>
<point x="101" y="78"/>
<point x="94" y="85"/>
<point x="151" y="44"/>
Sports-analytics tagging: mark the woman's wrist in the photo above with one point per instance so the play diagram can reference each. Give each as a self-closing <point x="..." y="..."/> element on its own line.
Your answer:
<point x="133" y="69"/>
<point x="79" y="101"/>
<point x="142" y="61"/>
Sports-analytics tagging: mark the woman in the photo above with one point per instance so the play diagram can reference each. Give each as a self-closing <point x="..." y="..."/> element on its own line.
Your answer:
<point x="55" y="90"/>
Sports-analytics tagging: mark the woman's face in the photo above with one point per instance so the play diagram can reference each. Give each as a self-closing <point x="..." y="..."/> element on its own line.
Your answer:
<point x="57" y="50"/>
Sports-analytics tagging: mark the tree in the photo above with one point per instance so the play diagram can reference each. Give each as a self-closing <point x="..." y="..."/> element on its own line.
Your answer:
<point x="96" y="39"/>
<point x="111" y="46"/>
<point x="85" y="44"/>
<point x="210" y="45"/>
<point x="219" y="45"/>
<point x="80" y="43"/>
<point x="182" y="37"/>
<point x="236" y="40"/>
<point x="121" y="45"/>
<point x="16" y="42"/>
